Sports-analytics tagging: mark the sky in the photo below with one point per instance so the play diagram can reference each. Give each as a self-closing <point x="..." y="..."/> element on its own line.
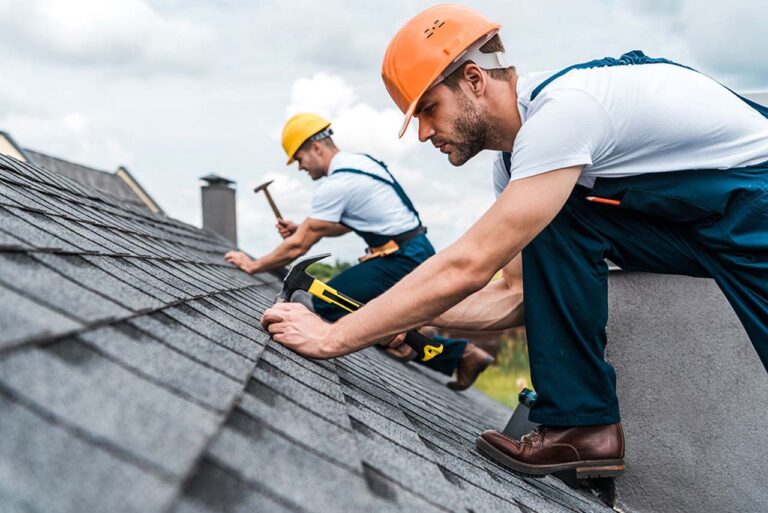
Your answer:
<point x="177" y="89"/>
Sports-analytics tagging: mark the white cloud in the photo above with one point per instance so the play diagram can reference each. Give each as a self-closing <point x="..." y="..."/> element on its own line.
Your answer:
<point x="115" y="32"/>
<point x="725" y="42"/>
<point x="324" y="94"/>
<point x="448" y="199"/>
<point x="357" y="125"/>
<point x="89" y="81"/>
<point x="70" y="135"/>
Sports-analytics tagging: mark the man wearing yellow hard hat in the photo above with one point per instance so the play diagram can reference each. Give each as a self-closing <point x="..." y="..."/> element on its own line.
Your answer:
<point x="358" y="193"/>
<point x="639" y="160"/>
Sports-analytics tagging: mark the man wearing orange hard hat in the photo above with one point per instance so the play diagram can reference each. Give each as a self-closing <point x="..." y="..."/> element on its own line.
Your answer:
<point x="358" y="193"/>
<point x="634" y="159"/>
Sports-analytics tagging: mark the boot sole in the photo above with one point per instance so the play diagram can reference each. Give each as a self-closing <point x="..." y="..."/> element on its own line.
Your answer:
<point x="584" y="469"/>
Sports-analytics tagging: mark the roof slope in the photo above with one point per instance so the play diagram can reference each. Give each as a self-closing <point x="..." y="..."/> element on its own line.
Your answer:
<point x="125" y="189"/>
<point x="121" y="184"/>
<point x="134" y="376"/>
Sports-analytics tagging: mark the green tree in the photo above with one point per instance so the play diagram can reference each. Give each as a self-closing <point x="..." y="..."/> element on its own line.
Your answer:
<point x="325" y="272"/>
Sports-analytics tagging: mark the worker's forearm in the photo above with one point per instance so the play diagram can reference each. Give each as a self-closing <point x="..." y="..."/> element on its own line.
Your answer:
<point x="525" y="208"/>
<point x="283" y="255"/>
<point x="497" y="306"/>
<point x="441" y="282"/>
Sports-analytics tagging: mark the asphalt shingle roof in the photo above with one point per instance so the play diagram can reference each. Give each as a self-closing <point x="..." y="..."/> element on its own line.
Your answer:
<point x="103" y="181"/>
<point x="135" y="376"/>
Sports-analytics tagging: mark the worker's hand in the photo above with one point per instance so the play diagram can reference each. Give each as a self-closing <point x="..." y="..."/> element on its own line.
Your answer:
<point x="286" y="227"/>
<point x="240" y="259"/>
<point x="398" y="349"/>
<point x="300" y="330"/>
<point x="395" y="342"/>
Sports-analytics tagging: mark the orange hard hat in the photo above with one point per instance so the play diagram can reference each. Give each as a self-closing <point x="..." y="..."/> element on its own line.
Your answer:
<point x="425" y="47"/>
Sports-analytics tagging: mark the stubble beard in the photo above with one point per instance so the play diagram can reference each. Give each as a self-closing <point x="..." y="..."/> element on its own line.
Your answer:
<point x="470" y="132"/>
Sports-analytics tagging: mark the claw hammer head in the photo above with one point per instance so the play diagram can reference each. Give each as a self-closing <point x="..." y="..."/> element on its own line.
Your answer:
<point x="263" y="186"/>
<point x="298" y="278"/>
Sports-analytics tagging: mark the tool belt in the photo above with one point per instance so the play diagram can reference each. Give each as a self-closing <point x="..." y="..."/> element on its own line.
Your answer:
<point x="392" y="245"/>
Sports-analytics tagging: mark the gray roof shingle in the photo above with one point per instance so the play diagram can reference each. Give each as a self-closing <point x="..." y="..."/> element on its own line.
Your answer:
<point x="103" y="181"/>
<point x="135" y="376"/>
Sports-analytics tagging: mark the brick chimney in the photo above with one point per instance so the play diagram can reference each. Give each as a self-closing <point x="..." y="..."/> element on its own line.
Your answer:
<point x="219" y="203"/>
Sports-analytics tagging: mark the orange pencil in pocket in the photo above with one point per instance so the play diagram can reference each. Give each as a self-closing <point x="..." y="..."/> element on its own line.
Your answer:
<point x="605" y="201"/>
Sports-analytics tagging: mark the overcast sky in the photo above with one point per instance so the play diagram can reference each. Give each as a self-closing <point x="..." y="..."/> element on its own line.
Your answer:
<point x="178" y="89"/>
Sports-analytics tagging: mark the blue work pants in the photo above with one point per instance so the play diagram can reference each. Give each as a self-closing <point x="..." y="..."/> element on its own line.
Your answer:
<point x="704" y="223"/>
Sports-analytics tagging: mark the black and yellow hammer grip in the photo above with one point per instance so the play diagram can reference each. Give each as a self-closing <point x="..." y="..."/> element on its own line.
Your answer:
<point x="424" y="346"/>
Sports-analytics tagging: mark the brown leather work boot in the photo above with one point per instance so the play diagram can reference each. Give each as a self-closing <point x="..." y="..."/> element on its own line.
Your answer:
<point x="473" y="361"/>
<point x="592" y="451"/>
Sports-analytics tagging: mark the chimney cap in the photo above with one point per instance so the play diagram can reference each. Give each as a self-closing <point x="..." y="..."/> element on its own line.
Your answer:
<point x="214" y="179"/>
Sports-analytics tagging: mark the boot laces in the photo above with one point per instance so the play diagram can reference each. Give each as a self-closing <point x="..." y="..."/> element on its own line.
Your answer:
<point x="537" y="432"/>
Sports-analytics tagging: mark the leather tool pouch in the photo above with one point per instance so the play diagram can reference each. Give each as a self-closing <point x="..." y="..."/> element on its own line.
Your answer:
<point x="385" y="249"/>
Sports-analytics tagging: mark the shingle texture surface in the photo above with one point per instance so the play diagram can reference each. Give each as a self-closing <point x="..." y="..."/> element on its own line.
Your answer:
<point x="102" y="181"/>
<point x="135" y="377"/>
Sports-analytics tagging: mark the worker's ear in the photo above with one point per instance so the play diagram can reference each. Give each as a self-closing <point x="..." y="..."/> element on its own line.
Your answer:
<point x="476" y="79"/>
<point x="316" y="148"/>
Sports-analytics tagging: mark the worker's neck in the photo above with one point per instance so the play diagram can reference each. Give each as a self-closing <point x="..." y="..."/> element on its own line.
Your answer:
<point x="328" y="157"/>
<point x="505" y="120"/>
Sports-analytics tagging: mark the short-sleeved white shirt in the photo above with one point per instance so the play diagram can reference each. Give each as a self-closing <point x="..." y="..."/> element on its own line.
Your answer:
<point x="627" y="120"/>
<point x="358" y="201"/>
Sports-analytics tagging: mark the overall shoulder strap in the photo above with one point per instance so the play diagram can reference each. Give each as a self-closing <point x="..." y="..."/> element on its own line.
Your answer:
<point x="506" y="157"/>
<point x="633" y="58"/>
<point x="394" y="183"/>
<point x="361" y="172"/>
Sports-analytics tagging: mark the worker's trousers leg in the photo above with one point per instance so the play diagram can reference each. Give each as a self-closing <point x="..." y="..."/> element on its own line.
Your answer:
<point x="697" y="223"/>
<point x="371" y="278"/>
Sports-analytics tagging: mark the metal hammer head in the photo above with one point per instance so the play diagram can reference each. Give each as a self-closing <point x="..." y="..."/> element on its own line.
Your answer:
<point x="298" y="278"/>
<point x="263" y="186"/>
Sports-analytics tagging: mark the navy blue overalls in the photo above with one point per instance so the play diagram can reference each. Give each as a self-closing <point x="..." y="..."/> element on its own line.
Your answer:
<point x="372" y="278"/>
<point x="704" y="223"/>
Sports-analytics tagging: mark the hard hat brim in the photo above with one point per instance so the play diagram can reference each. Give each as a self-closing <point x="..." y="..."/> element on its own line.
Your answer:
<point x="408" y="116"/>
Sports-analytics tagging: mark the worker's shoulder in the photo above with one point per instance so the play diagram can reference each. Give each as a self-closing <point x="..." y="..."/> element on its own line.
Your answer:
<point x="598" y="81"/>
<point x="345" y="165"/>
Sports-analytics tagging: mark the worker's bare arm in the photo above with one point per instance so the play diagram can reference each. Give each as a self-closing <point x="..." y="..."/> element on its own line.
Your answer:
<point x="497" y="306"/>
<point x="306" y="235"/>
<point x="524" y="209"/>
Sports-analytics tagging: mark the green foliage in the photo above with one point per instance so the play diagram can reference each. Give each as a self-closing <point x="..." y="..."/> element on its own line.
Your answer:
<point x="503" y="380"/>
<point x="325" y="272"/>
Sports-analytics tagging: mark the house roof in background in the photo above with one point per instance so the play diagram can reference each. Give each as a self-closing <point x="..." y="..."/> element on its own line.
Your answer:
<point x="120" y="184"/>
<point x="135" y="376"/>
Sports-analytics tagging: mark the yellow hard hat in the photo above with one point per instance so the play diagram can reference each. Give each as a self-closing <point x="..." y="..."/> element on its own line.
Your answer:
<point x="300" y="128"/>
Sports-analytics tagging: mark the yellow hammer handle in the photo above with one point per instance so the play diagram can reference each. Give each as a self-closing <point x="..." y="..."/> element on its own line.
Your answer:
<point x="423" y="345"/>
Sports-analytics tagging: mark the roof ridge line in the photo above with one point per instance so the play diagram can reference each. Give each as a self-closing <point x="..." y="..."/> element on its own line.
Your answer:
<point x="53" y="157"/>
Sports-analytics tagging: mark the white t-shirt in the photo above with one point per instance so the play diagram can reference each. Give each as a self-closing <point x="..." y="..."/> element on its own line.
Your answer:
<point x="628" y="120"/>
<point x="358" y="201"/>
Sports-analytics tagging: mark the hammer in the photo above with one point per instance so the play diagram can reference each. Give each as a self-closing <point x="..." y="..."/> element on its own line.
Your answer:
<point x="263" y="187"/>
<point x="299" y="279"/>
